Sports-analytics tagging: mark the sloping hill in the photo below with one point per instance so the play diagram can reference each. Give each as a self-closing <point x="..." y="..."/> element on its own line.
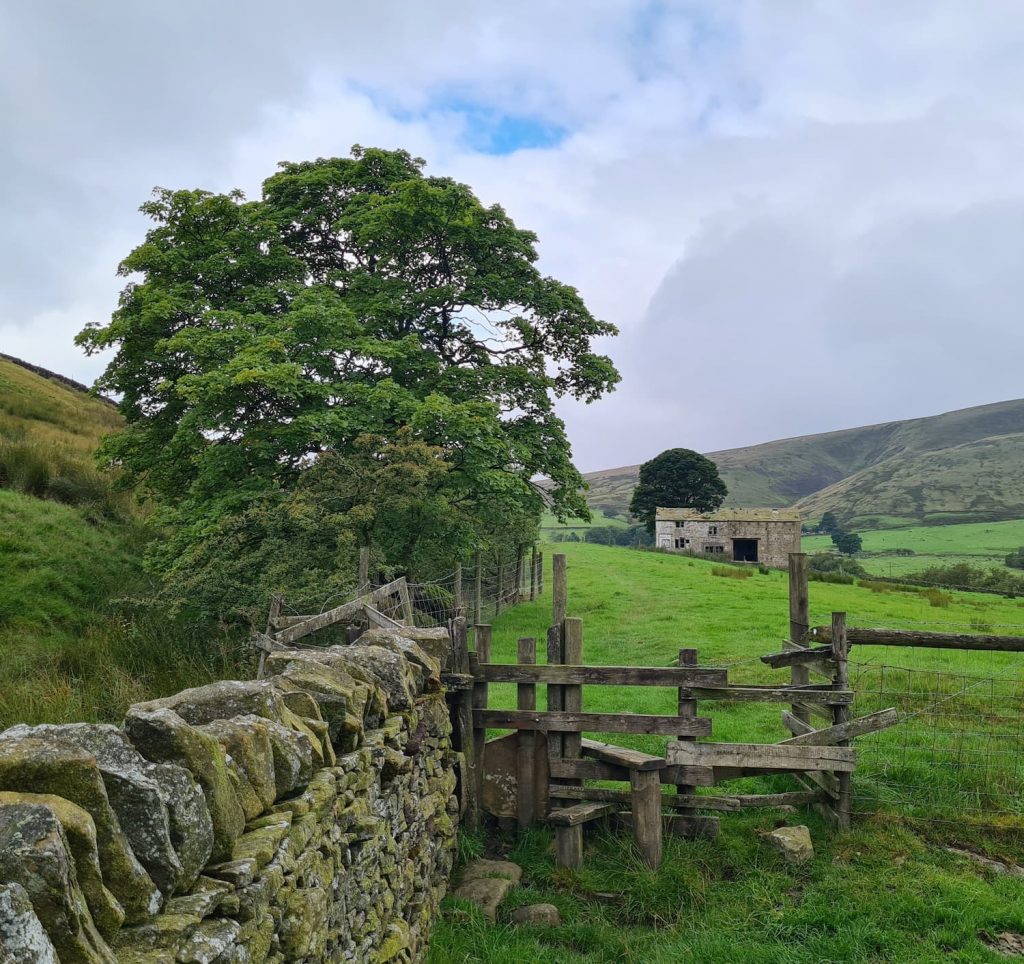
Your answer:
<point x="961" y="466"/>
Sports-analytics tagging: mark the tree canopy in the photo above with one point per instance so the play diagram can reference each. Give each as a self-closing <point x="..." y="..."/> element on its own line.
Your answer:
<point x="677" y="478"/>
<point x="356" y="299"/>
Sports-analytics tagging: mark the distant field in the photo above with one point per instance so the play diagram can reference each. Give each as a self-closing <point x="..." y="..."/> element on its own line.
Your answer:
<point x="982" y="544"/>
<point x="550" y="525"/>
<point x="888" y="890"/>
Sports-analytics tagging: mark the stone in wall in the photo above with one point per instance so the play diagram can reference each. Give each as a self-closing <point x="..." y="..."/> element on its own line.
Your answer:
<point x="328" y="791"/>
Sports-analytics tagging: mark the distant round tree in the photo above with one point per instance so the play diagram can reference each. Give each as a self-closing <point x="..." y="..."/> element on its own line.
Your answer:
<point x="1015" y="560"/>
<point x="829" y="523"/>
<point x="848" y="543"/>
<point x="678" y="478"/>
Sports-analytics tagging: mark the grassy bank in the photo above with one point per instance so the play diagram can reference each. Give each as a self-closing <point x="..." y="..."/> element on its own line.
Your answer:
<point x="887" y="890"/>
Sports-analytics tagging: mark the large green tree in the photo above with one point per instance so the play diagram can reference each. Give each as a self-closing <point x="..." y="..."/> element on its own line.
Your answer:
<point x="356" y="298"/>
<point x="678" y="478"/>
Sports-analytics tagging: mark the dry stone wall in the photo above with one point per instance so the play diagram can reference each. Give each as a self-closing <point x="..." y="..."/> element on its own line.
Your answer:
<point x="308" y="816"/>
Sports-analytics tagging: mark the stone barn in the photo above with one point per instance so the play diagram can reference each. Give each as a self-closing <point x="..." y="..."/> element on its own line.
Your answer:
<point x="766" y="536"/>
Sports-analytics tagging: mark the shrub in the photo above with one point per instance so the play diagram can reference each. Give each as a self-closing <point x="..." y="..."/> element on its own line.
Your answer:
<point x="936" y="597"/>
<point x="830" y="562"/>
<point x="840" y="578"/>
<point x="1015" y="560"/>
<point x="731" y="572"/>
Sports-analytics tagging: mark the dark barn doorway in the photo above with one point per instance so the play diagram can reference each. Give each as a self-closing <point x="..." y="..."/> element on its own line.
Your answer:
<point x="744" y="550"/>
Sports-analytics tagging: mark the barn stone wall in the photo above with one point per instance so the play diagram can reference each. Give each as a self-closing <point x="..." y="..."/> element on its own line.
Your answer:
<point x="309" y="816"/>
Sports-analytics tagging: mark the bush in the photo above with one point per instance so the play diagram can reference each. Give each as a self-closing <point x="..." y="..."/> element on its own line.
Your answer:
<point x="840" y="578"/>
<point x="1015" y="560"/>
<point x="830" y="562"/>
<point x="731" y="572"/>
<point x="936" y="597"/>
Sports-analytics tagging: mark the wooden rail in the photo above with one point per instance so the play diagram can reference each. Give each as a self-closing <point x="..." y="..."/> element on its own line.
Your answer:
<point x="604" y="675"/>
<point x="904" y="637"/>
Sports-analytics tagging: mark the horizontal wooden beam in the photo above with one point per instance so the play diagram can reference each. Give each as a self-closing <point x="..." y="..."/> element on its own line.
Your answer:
<point x="824" y="672"/>
<point x="905" y="637"/>
<point x="763" y="756"/>
<point x="283" y="622"/>
<point x="685" y="801"/>
<point x="592" y="722"/>
<point x="334" y="616"/>
<point x="773" y="694"/>
<point x="846" y="731"/>
<point x="580" y="813"/>
<point x="797" y="657"/>
<point x="824" y="782"/>
<point x="604" y="675"/>
<point x="622" y="756"/>
<point x="562" y="769"/>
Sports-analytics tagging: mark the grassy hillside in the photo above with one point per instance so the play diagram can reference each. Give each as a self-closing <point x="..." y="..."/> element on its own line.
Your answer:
<point x="70" y="553"/>
<point x="983" y="544"/>
<point x="959" y="466"/>
<point x="888" y="890"/>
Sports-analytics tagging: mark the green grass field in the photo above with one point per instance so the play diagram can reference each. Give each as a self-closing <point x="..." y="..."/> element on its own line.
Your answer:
<point x="549" y="525"/>
<point x="886" y="891"/>
<point x="983" y="544"/>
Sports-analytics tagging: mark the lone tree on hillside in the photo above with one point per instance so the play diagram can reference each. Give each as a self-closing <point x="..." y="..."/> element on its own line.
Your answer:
<point x="848" y="543"/>
<point x="829" y="523"/>
<point x="677" y="478"/>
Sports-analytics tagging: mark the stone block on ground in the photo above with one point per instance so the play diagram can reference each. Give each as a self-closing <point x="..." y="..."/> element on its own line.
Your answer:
<point x="486" y="892"/>
<point x="482" y="867"/>
<point x="793" y="843"/>
<point x="538" y="915"/>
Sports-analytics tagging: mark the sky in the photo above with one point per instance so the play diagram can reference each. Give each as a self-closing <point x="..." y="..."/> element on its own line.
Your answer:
<point x="802" y="216"/>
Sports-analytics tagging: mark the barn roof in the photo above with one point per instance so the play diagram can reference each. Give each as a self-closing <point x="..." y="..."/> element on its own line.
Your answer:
<point x="728" y="515"/>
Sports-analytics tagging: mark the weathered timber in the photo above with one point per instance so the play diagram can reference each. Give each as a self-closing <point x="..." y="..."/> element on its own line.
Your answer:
<point x="479" y="590"/>
<point x="796" y="725"/>
<point x="621" y="756"/>
<point x="364" y="569"/>
<point x="737" y="692"/>
<point x="605" y="675"/>
<point x="567" y="722"/>
<point x="763" y="756"/>
<point x="797" y="657"/>
<point x="686" y="705"/>
<point x="336" y="615"/>
<point x="690" y="826"/>
<point x="460" y="681"/>
<point x="556" y="697"/>
<point x="903" y="637"/>
<point x="824" y="782"/>
<point x="580" y="813"/>
<point x="569" y="846"/>
<point x="807" y="710"/>
<point x="460" y="603"/>
<point x="645" y="790"/>
<point x="482" y="642"/>
<point x="378" y="618"/>
<point x="799" y="618"/>
<point x="560" y="588"/>
<point x="841" y="717"/>
<point x="685" y="801"/>
<point x="572" y="694"/>
<point x="595" y="770"/>
<point x="791" y="798"/>
<point x="832" y="735"/>
<point x="407" y="611"/>
<point x="284" y="622"/>
<point x="526" y="699"/>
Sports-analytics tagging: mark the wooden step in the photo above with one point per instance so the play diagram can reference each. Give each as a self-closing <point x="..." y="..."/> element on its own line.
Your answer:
<point x="580" y="813"/>
<point x="622" y="756"/>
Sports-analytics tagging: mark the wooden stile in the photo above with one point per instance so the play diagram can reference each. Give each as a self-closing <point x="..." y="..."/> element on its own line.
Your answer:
<point x="799" y="618"/>
<point x="572" y="724"/>
<point x="482" y="641"/>
<point x="762" y="756"/>
<point x="572" y="695"/>
<point x="841" y="715"/>
<point x="645" y="793"/>
<point x="526" y="699"/>
<point x="836" y="734"/>
<point x="604" y="675"/>
<point x="687" y="707"/>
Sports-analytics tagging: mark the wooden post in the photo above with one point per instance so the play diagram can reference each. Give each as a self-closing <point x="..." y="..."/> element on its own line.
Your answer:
<point x="482" y="640"/>
<point x="406" y="598"/>
<point x="517" y="593"/>
<point x="560" y="593"/>
<point x="533" y="574"/>
<point x="463" y="732"/>
<point x="798" y="622"/>
<point x="459" y="605"/>
<point x="364" y="570"/>
<point x="556" y="702"/>
<point x="540" y="573"/>
<point x="526" y="699"/>
<point x="687" y="707"/>
<point x="478" y="609"/>
<point x="501" y="584"/>
<point x="645" y="796"/>
<point x="572" y="696"/>
<point x="272" y="615"/>
<point x="569" y="841"/>
<point x="841" y="714"/>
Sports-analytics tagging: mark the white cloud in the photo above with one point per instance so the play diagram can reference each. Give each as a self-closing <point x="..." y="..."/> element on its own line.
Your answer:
<point x="802" y="215"/>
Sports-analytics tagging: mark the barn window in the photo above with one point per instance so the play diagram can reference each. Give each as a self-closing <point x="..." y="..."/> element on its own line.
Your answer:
<point x="712" y="530"/>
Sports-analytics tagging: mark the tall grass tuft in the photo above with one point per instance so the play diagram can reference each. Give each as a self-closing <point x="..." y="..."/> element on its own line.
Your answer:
<point x="731" y="572"/>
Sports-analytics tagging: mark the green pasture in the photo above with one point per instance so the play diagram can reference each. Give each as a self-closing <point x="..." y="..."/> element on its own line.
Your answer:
<point x="983" y="544"/>
<point x="549" y="524"/>
<point x="888" y="890"/>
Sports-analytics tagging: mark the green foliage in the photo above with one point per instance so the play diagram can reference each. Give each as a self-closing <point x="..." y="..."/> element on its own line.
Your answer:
<point x="1015" y="559"/>
<point x="829" y="562"/>
<point x="965" y="576"/>
<point x="848" y="543"/>
<point x="829" y="523"/>
<point x="731" y="572"/>
<point x="619" y="536"/>
<point x="356" y="299"/>
<point x="677" y="478"/>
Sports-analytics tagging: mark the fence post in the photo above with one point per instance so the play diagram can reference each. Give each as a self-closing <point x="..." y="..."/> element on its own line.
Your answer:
<point x="798" y="622"/>
<point x="540" y="573"/>
<point x="533" y="574"/>
<point x="687" y="707"/>
<point x="556" y="702"/>
<point x="572" y="696"/>
<point x="459" y="606"/>
<point x="482" y="641"/>
<point x="517" y="594"/>
<point x="406" y="599"/>
<point x="272" y="616"/>
<point x="479" y="587"/>
<point x="364" y="570"/>
<point x="501" y="584"/>
<point x="526" y="699"/>
<point x="841" y="714"/>
<point x="560" y="593"/>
